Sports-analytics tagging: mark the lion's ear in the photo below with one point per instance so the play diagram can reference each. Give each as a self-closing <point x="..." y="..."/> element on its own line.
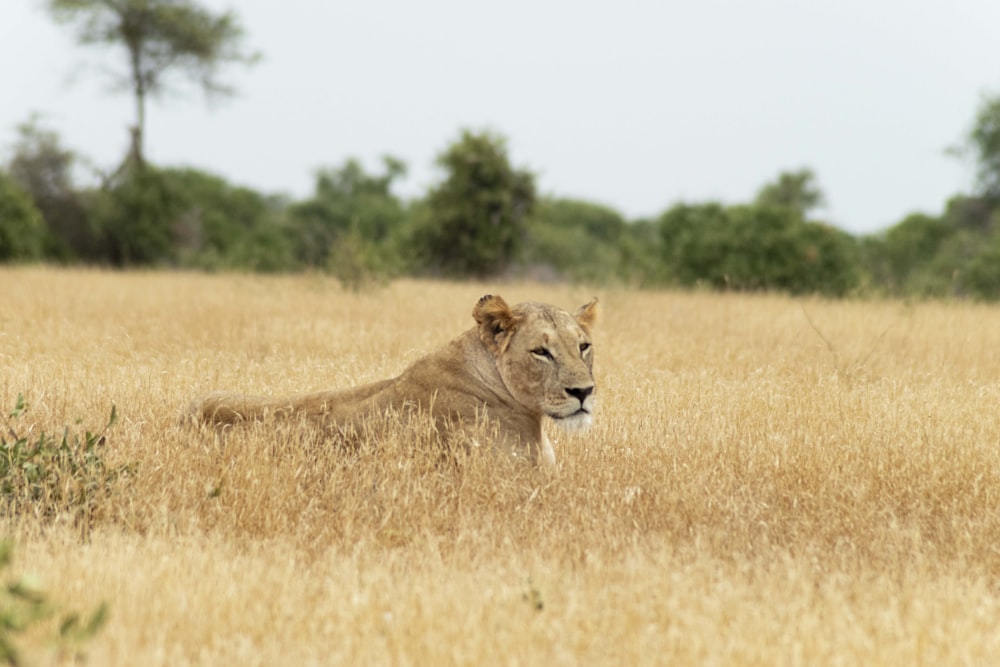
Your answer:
<point x="586" y="315"/>
<point x="496" y="322"/>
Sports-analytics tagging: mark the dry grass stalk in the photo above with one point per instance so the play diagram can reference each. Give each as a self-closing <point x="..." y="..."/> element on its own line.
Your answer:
<point x="760" y="487"/>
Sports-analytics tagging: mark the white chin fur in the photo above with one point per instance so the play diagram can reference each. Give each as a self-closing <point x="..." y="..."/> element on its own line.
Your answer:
<point x="577" y="422"/>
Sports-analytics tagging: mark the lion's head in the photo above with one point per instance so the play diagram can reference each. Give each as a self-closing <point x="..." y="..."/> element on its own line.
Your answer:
<point x="544" y="356"/>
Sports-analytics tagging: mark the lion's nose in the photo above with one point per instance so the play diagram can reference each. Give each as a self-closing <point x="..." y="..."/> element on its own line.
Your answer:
<point x="580" y="393"/>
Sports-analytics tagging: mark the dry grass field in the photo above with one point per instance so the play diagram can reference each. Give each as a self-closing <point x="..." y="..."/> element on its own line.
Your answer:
<point x="770" y="481"/>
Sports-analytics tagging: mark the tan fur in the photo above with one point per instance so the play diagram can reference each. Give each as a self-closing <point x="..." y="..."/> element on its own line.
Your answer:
<point x="517" y="366"/>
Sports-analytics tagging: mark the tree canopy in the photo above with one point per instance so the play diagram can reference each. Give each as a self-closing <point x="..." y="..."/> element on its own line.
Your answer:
<point x="22" y="229"/>
<point x="165" y="40"/>
<point x="983" y="141"/>
<point x="797" y="190"/>
<point x="476" y="216"/>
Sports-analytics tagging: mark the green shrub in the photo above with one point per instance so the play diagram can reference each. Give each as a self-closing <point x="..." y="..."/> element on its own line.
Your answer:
<point x="357" y="264"/>
<point x="981" y="278"/>
<point x="473" y="223"/>
<point x="351" y="222"/>
<point x="22" y="231"/>
<point x="44" y="170"/>
<point x="134" y="217"/>
<point x="581" y="241"/>
<point x="756" y="247"/>
<point x="218" y="225"/>
<point x="23" y="606"/>
<point x="46" y="476"/>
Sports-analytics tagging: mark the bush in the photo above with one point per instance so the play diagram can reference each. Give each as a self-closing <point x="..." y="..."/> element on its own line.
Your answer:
<point x="474" y="222"/>
<point x="759" y="247"/>
<point x="580" y="240"/>
<point x="357" y="263"/>
<point x="641" y="255"/>
<point x="981" y="278"/>
<point x="219" y="225"/>
<point x="22" y="231"/>
<point x="906" y="253"/>
<point x="828" y="263"/>
<point x="44" y="170"/>
<point x="353" y="209"/>
<point x="46" y="476"/>
<point x="134" y="218"/>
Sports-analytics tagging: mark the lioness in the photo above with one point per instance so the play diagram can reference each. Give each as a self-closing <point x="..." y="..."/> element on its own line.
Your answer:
<point x="516" y="366"/>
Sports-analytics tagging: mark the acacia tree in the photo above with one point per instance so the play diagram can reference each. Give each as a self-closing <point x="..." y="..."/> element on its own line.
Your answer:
<point x="163" y="39"/>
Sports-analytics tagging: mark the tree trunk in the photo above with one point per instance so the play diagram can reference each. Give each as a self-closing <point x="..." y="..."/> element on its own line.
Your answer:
<point x="138" y="131"/>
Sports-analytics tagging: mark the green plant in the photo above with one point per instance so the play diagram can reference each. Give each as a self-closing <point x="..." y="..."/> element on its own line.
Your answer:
<point x="23" y="606"/>
<point x="356" y="263"/>
<point x="47" y="476"/>
<point x="756" y="247"/>
<point x="22" y="230"/>
<point x="475" y="220"/>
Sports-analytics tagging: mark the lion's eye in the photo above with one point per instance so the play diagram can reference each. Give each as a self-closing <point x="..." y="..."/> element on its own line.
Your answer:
<point x="584" y="347"/>
<point x="542" y="353"/>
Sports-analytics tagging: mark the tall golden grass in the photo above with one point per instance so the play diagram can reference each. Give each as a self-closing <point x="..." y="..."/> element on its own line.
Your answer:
<point x="769" y="481"/>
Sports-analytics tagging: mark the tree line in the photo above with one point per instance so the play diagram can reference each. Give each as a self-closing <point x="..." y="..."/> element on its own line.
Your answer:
<point x="483" y="218"/>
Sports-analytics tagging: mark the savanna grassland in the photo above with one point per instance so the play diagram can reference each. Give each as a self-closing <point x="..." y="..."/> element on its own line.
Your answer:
<point x="769" y="481"/>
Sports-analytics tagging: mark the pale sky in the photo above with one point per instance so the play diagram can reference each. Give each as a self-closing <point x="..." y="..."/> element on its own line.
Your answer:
<point x="635" y="104"/>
